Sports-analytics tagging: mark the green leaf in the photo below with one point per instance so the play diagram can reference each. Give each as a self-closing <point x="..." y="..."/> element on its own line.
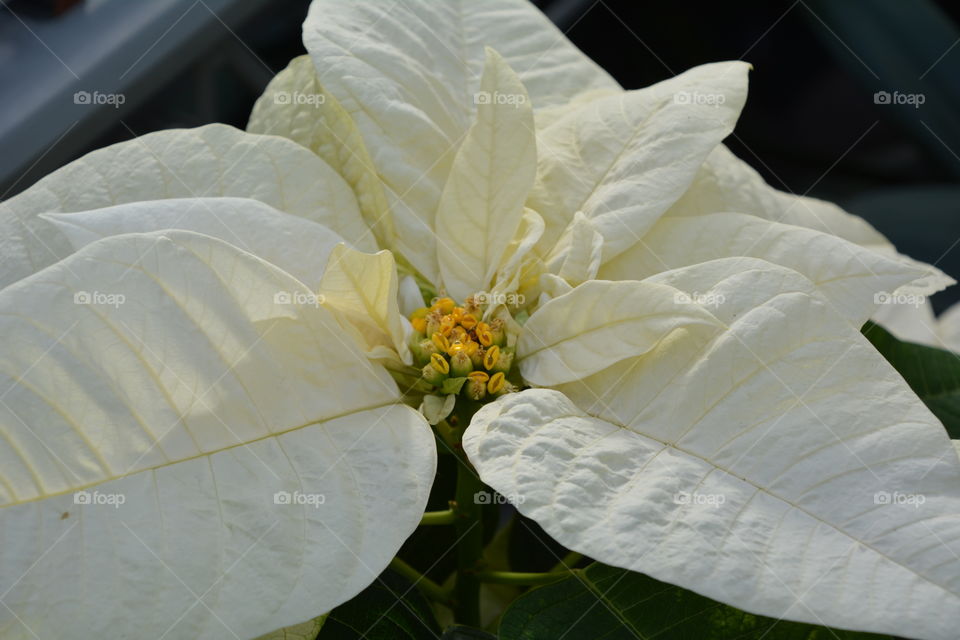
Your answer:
<point x="452" y="385"/>
<point x="615" y="604"/>
<point x="933" y="374"/>
<point x="389" y="609"/>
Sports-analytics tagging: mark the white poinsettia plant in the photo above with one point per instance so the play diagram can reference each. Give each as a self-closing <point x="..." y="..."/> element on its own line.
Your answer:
<point x="230" y="357"/>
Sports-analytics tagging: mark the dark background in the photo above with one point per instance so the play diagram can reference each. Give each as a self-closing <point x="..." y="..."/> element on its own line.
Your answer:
<point x="811" y="124"/>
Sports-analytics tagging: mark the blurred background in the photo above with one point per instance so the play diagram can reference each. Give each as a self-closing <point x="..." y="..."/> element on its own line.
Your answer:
<point x="855" y="101"/>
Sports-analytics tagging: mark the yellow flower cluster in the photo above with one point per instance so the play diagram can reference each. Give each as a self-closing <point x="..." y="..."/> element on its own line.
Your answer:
<point x="458" y="352"/>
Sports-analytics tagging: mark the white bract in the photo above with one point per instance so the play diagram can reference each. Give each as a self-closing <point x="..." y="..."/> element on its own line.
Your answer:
<point x="203" y="431"/>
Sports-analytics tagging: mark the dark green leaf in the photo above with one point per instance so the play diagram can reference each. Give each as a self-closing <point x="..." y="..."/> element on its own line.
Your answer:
<point x="615" y="604"/>
<point x="459" y="632"/>
<point x="933" y="374"/>
<point x="389" y="609"/>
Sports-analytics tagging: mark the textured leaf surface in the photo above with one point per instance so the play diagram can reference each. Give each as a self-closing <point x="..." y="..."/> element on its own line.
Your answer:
<point x="624" y="160"/>
<point x="849" y="275"/>
<point x="482" y="202"/>
<point x="210" y="161"/>
<point x="362" y="288"/>
<point x="295" y="105"/>
<point x="600" y="323"/>
<point x="193" y="458"/>
<point x="775" y="463"/>
<point x="407" y="75"/>
<point x="614" y="604"/>
<point x="297" y="245"/>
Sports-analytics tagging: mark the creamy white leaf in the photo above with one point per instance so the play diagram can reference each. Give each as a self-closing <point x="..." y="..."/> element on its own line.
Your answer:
<point x="624" y="160"/>
<point x="297" y="245"/>
<point x="296" y="106"/>
<point x="210" y="161"/>
<point x="776" y="463"/>
<point x="600" y="323"/>
<point x="407" y="75"/>
<point x="185" y="455"/>
<point x="855" y="279"/>
<point x="362" y="290"/>
<point x="482" y="202"/>
<point x="727" y="183"/>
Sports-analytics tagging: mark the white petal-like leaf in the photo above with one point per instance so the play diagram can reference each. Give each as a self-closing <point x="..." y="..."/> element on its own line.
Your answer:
<point x="361" y="288"/>
<point x="624" y="160"/>
<point x="727" y="183"/>
<point x="186" y="456"/>
<point x="600" y="323"/>
<point x="294" y="105"/>
<point x="482" y="202"/>
<point x="778" y="464"/>
<point x="211" y="161"/>
<point x="408" y="74"/>
<point x="577" y="254"/>
<point x="855" y="279"/>
<point x="296" y="245"/>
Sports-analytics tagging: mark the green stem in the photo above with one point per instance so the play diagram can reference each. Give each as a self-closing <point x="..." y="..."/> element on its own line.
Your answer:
<point x="447" y="516"/>
<point x="525" y="579"/>
<point x="568" y="562"/>
<point x="469" y="546"/>
<point x="428" y="587"/>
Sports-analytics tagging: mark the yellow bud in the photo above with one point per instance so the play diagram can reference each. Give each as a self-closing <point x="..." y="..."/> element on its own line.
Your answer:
<point x="490" y="357"/>
<point x="419" y="325"/>
<point x="472" y="347"/>
<point x="456" y="347"/>
<point x="496" y="382"/>
<point x="440" y="363"/>
<point x="468" y="322"/>
<point x="441" y="342"/>
<point x="484" y="335"/>
<point x="445" y="305"/>
<point x="481" y="376"/>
